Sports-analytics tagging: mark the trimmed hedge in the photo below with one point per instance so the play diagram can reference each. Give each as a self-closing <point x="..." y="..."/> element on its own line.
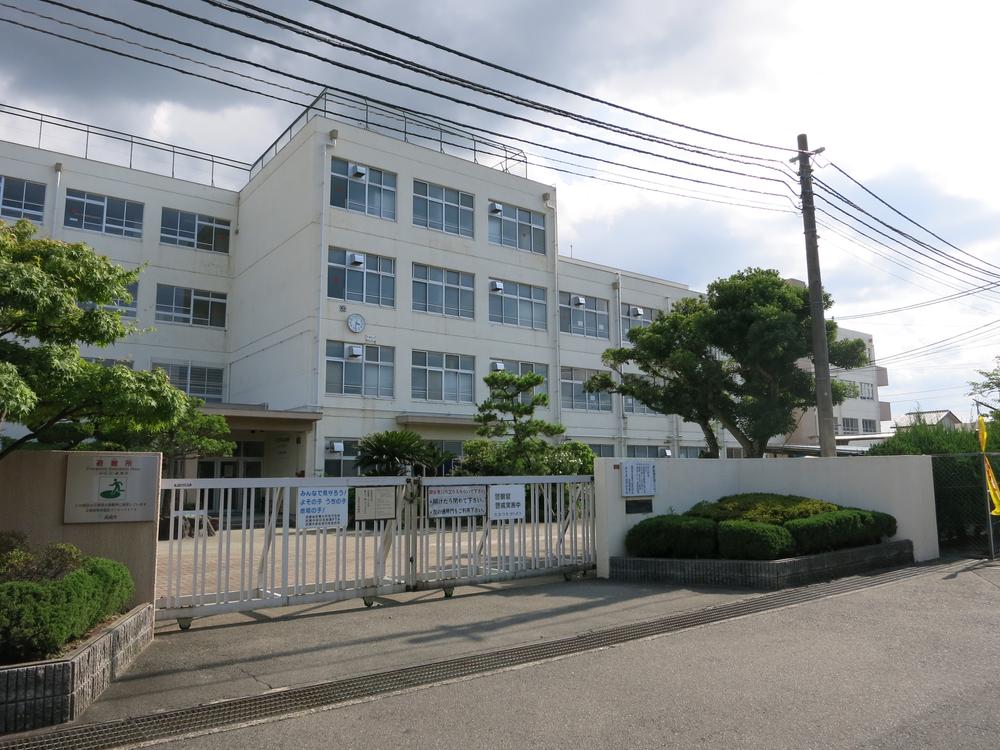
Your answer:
<point x="38" y="617"/>
<point x="762" y="507"/>
<point x="836" y="530"/>
<point x="752" y="540"/>
<point x="671" y="536"/>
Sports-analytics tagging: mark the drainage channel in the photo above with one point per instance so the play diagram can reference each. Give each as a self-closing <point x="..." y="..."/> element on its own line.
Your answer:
<point x="162" y="726"/>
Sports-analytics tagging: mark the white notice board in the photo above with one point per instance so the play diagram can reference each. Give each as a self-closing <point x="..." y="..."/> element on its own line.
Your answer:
<point x="638" y="479"/>
<point x="111" y="488"/>
<point x="374" y="503"/>
<point x="506" y="502"/>
<point x="452" y="502"/>
<point x="321" y="508"/>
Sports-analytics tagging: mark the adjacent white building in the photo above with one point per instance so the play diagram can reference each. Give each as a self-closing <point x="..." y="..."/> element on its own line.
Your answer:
<point x="364" y="274"/>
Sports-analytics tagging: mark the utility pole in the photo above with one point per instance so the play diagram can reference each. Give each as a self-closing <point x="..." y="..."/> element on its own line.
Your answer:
<point x="821" y="355"/>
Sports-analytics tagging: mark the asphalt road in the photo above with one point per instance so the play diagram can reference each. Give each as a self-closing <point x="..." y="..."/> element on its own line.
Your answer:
<point x="914" y="664"/>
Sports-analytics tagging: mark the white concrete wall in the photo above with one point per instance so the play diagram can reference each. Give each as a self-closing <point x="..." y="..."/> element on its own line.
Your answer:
<point x="900" y="485"/>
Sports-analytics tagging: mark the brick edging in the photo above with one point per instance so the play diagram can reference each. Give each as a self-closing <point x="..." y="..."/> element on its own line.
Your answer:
<point x="767" y="575"/>
<point x="43" y="693"/>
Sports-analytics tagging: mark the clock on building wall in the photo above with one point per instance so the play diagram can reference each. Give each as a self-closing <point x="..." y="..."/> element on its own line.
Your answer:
<point x="356" y="322"/>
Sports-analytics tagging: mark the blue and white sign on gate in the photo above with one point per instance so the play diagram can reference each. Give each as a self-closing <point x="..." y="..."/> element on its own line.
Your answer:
<point x="506" y="502"/>
<point x="321" y="508"/>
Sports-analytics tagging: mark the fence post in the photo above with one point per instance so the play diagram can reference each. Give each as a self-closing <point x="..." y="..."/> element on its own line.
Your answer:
<point x="411" y="506"/>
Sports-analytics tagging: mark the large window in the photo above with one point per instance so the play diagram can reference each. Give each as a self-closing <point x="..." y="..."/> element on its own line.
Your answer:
<point x="442" y="291"/>
<point x="436" y="376"/>
<point x="441" y="208"/>
<point x="21" y="199"/>
<point x="850" y="425"/>
<point x="517" y="227"/>
<point x="869" y="426"/>
<point x="101" y="213"/>
<point x="360" y="277"/>
<point x="523" y="368"/>
<point x="339" y="457"/>
<point x="867" y="391"/>
<point x="367" y="370"/>
<point x="194" y="230"/>
<point x="636" y="316"/>
<point x="517" y="304"/>
<point x="690" y="451"/>
<point x="196" y="380"/>
<point x="602" y="450"/>
<point x="571" y="380"/>
<point x="197" y="307"/>
<point x="644" y="451"/>
<point x="581" y="315"/>
<point x="357" y="187"/>
<point x="632" y="405"/>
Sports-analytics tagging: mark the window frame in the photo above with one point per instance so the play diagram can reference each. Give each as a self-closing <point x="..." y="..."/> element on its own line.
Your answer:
<point x="346" y="457"/>
<point x="427" y="281"/>
<point x="11" y="209"/>
<point x="186" y="383"/>
<point x="523" y="367"/>
<point x="367" y="185"/>
<point x="195" y="297"/>
<point x="499" y="228"/>
<point x="462" y="209"/>
<point x="866" y="388"/>
<point x="869" y="426"/>
<point x="367" y="275"/>
<point x="383" y="360"/>
<point x="599" y="398"/>
<point x="533" y="301"/>
<point x="627" y="323"/>
<point x="568" y="318"/>
<point x="459" y="372"/>
<point x="191" y="238"/>
<point x="120" y="226"/>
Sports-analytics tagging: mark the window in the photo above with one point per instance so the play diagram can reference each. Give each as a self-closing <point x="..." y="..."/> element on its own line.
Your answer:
<point x="643" y="451"/>
<point x="436" y="376"/>
<point x="365" y="189"/>
<point x="127" y="309"/>
<point x="196" y="307"/>
<point x="360" y="370"/>
<point x="636" y="316"/>
<point x="108" y="361"/>
<point x="583" y="316"/>
<point x="517" y="304"/>
<point x="850" y="425"/>
<point x="632" y="405"/>
<point x="867" y="391"/>
<point x="445" y="292"/>
<point x="360" y="277"/>
<point x="441" y="208"/>
<point x="454" y="448"/>
<point x="195" y="380"/>
<point x="339" y="457"/>
<point x="21" y="199"/>
<point x="194" y="230"/>
<point x="522" y="368"/>
<point x="869" y="426"/>
<point x="602" y="450"/>
<point x="735" y="452"/>
<point x="99" y="213"/>
<point x="571" y="380"/>
<point x="517" y="227"/>
<point x="690" y="451"/>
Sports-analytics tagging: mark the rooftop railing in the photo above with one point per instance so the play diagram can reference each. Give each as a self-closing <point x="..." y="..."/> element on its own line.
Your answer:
<point x="75" y="138"/>
<point x="403" y="125"/>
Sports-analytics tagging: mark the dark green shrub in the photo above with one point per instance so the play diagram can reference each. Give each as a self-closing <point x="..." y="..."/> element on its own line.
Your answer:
<point x="17" y="565"/>
<point x="835" y="530"/>
<point x="12" y="540"/>
<point x="672" y="536"/>
<point x="752" y="540"/>
<point x="56" y="560"/>
<point x="762" y="507"/>
<point x="38" y="617"/>
<point x="886" y="524"/>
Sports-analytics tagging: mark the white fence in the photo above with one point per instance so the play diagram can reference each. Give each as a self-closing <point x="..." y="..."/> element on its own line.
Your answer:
<point x="240" y="544"/>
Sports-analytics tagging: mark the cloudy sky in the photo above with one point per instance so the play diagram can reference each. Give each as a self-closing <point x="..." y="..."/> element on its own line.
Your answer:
<point x="900" y="95"/>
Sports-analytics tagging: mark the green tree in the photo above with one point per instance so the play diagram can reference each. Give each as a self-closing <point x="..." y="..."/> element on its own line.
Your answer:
<point x="732" y="357"/>
<point x="988" y="389"/>
<point x="53" y="297"/>
<point x="393" y="453"/>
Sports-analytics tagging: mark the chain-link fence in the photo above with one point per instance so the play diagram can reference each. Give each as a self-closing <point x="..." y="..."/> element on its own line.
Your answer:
<point x="963" y="508"/>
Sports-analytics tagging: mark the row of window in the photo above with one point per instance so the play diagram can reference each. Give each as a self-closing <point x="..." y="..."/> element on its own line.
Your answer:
<point x="370" y="278"/>
<point x="849" y="426"/>
<point x="23" y="199"/>
<point x="372" y="191"/>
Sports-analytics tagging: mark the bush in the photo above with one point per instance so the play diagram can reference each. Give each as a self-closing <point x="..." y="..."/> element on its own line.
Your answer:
<point x="38" y="617"/>
<point x="836" y="530"/>
<point x="11" y="541"/>
<point x="53" y="562"/>
<point x="752" y="540"/>
<point x="762" y="507"/>
<point x="672" y="536"/>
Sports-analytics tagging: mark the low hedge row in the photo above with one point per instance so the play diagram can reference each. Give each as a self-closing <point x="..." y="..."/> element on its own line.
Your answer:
<point x="693" y="536"/>
<point x="38" y="617"/>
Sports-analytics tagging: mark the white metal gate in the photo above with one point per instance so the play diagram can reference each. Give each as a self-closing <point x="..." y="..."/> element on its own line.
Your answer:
<point x="233" y="544"/>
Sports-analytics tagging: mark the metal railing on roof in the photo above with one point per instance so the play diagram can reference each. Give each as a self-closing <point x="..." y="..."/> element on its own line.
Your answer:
<point x="403" y="125"/>
<point x="63" y="135"/>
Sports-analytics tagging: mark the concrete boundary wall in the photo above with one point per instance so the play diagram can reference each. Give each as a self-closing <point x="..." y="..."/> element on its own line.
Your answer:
<point x="900" y="485"/>
<point x="32" y="500"/>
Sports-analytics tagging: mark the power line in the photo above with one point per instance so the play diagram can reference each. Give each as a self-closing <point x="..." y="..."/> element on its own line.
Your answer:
<point x="565" y="90"/>
<point x="925" y="303"/>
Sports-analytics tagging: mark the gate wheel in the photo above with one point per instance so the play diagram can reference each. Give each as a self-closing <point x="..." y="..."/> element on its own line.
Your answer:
<point x="184" y="623"/>
<point x="449" y="591"/>
<point x="368" y="600"/>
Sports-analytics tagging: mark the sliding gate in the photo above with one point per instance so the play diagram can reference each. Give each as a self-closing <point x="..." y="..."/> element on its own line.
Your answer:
<point x="241" y="544"/>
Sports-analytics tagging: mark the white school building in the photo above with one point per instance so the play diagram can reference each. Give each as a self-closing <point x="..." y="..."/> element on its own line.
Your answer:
<point x="364" y="274"/>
